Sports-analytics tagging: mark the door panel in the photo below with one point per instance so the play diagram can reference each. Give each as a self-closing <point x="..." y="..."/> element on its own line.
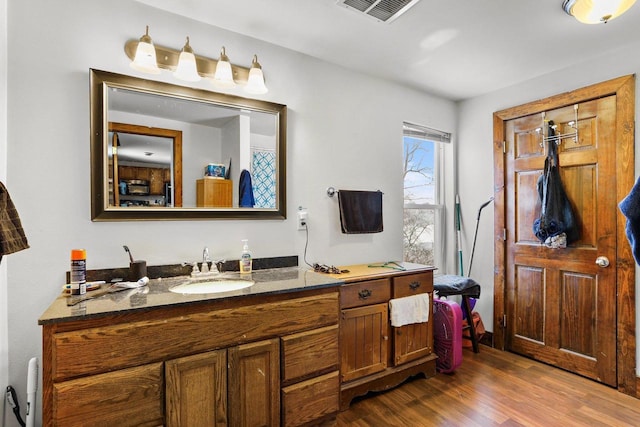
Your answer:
<point x="561" y="307"/>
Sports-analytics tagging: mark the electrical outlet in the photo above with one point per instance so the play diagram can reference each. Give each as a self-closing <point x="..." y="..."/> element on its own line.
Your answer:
<point x="302" y="219"/>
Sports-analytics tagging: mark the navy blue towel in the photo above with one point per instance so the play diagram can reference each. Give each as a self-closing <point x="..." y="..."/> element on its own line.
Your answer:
<point x="246" y="190"/>
<point x="360" y="211"/>
<point x="630" y="207"/>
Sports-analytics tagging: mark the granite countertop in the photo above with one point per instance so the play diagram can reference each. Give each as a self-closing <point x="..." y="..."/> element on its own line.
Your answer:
<point x="156" y="294"/>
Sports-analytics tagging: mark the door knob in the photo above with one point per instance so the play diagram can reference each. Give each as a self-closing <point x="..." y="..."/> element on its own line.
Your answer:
<point x="602" y="261"/>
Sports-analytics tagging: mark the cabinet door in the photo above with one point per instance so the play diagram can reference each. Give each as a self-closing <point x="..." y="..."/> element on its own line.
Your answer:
<point x="127" y="172"/>
<point x="196" y="390"/>
<point x="412" y="342"/>
<point x="254" y="384"/>
<point x="128" y="397"/>
<point x="364" y="338"/>
<point x="156" y="182"/>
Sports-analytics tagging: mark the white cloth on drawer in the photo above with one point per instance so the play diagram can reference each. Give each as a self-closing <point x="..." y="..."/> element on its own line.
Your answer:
<point x="408" y="310"/>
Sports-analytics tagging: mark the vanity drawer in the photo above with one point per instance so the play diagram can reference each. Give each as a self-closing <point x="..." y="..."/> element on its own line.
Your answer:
<point x="404" y="286"/>
<point x="129" y="397"/>
<point x="309" y="352"/>
<point x="310" y="401"/>
<point x="365" y="293"/>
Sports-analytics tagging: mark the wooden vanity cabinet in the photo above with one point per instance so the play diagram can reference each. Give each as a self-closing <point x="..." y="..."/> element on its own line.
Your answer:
<point x="270" y="360"/>
<point x="374" y="355"/>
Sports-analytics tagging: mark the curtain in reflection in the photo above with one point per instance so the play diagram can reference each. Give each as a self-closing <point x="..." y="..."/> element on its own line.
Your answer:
<point x="263" y="174"/>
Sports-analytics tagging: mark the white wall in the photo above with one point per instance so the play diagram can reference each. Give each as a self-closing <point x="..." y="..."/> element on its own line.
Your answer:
<point x="475" y="159"/>
<point x="4" y="343"/>
<point x="344" y="130"/>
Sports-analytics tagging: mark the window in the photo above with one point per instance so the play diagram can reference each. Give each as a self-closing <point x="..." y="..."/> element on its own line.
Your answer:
<point x="423" y="187"/>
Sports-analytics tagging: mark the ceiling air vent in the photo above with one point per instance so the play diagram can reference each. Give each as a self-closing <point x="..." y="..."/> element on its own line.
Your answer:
<point x="380" y="10"/>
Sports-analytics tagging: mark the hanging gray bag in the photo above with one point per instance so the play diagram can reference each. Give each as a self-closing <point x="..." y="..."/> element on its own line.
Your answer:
<point x="557" y="226"/>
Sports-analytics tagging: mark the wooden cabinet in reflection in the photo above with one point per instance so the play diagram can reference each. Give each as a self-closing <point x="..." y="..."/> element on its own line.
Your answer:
<point x="214" y="193"/>
<point x="155" y="176"/>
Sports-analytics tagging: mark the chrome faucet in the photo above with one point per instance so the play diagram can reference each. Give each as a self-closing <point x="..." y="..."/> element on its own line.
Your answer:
<point x="204" y="269"/>
<point x="206" y="259"/>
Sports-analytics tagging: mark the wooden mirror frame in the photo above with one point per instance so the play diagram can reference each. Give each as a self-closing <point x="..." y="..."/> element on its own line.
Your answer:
<point x="102" y="81"/>
<point x="174" y="135"/>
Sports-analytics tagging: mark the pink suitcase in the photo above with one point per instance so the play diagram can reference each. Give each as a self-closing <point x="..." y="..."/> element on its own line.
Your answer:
<point x="447" y="335"/>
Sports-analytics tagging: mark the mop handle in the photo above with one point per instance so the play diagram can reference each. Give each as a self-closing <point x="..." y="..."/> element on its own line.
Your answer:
<point x="484" y="205"/>
<point x="475" y="236"/>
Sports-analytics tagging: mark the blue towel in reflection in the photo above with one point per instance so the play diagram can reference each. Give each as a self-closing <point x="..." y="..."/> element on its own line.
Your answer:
<point x="630" y="207"/>
<point x="246" y="190"/>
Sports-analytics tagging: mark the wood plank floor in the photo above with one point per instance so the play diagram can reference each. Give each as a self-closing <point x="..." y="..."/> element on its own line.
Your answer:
<point x="496" y="388"/>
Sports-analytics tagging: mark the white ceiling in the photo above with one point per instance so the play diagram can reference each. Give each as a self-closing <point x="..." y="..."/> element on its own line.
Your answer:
<point x="453" y="48"/>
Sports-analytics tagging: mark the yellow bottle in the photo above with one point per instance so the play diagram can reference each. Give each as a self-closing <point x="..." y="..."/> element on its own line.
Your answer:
<point x="246" y="260"/>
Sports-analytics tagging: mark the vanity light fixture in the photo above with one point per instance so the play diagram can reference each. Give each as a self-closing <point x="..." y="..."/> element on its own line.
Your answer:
<point x="220" y="71"/>
<point x="223" y="76"/>
<point x="145" y="55"/>
<point x="596" y="11"/>
<point x="187" y="69"/>
<point x="255" y="83"/>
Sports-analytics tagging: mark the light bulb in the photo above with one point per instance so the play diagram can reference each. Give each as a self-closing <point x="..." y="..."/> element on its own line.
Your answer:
<point x="187" y="69"/>
<point x="145" y="58"/>
<point x="223" y="76"/>
<point x="255" y="83"/>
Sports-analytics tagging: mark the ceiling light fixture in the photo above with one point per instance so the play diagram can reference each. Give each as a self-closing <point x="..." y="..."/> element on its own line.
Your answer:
<point x="145" y="56"/>
<point x="221" y="72"/>
<point x="224" y="75"/>
<point x="255" y="83"/>
<point x="187" y="69"/>
<point x="596" y="11"/>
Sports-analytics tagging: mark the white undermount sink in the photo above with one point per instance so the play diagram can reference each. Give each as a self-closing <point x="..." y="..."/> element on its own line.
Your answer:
<point x="211" y="286"/>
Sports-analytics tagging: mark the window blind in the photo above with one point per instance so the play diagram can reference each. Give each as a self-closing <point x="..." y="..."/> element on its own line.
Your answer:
<point x="423" y="132"/>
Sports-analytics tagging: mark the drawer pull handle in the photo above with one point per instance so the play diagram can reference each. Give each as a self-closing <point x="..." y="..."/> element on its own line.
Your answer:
<point x="364" y="294"/>
<point x="414" y="285"/>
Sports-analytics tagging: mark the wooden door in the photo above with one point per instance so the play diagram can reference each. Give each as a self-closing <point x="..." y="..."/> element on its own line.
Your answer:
<point x="364" y="337"/>
<point x="561" y="306"/>
<point x="254" y="384"/>
<point x="508" y="217"/>
<point x="196" y="390"/>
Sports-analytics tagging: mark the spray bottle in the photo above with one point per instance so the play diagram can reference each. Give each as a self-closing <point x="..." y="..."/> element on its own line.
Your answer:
<point x="245" y="259"/>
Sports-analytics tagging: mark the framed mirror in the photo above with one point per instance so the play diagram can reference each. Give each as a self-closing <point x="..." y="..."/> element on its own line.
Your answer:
<point x="167" y="152"/>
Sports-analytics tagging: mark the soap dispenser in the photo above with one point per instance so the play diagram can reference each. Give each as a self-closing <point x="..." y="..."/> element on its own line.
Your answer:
<point x="245" y="259"/>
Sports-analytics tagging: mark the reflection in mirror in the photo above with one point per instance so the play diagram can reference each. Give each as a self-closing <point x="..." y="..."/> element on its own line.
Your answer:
<point x="161" y="151"/>
<point x="146" y="164"/>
